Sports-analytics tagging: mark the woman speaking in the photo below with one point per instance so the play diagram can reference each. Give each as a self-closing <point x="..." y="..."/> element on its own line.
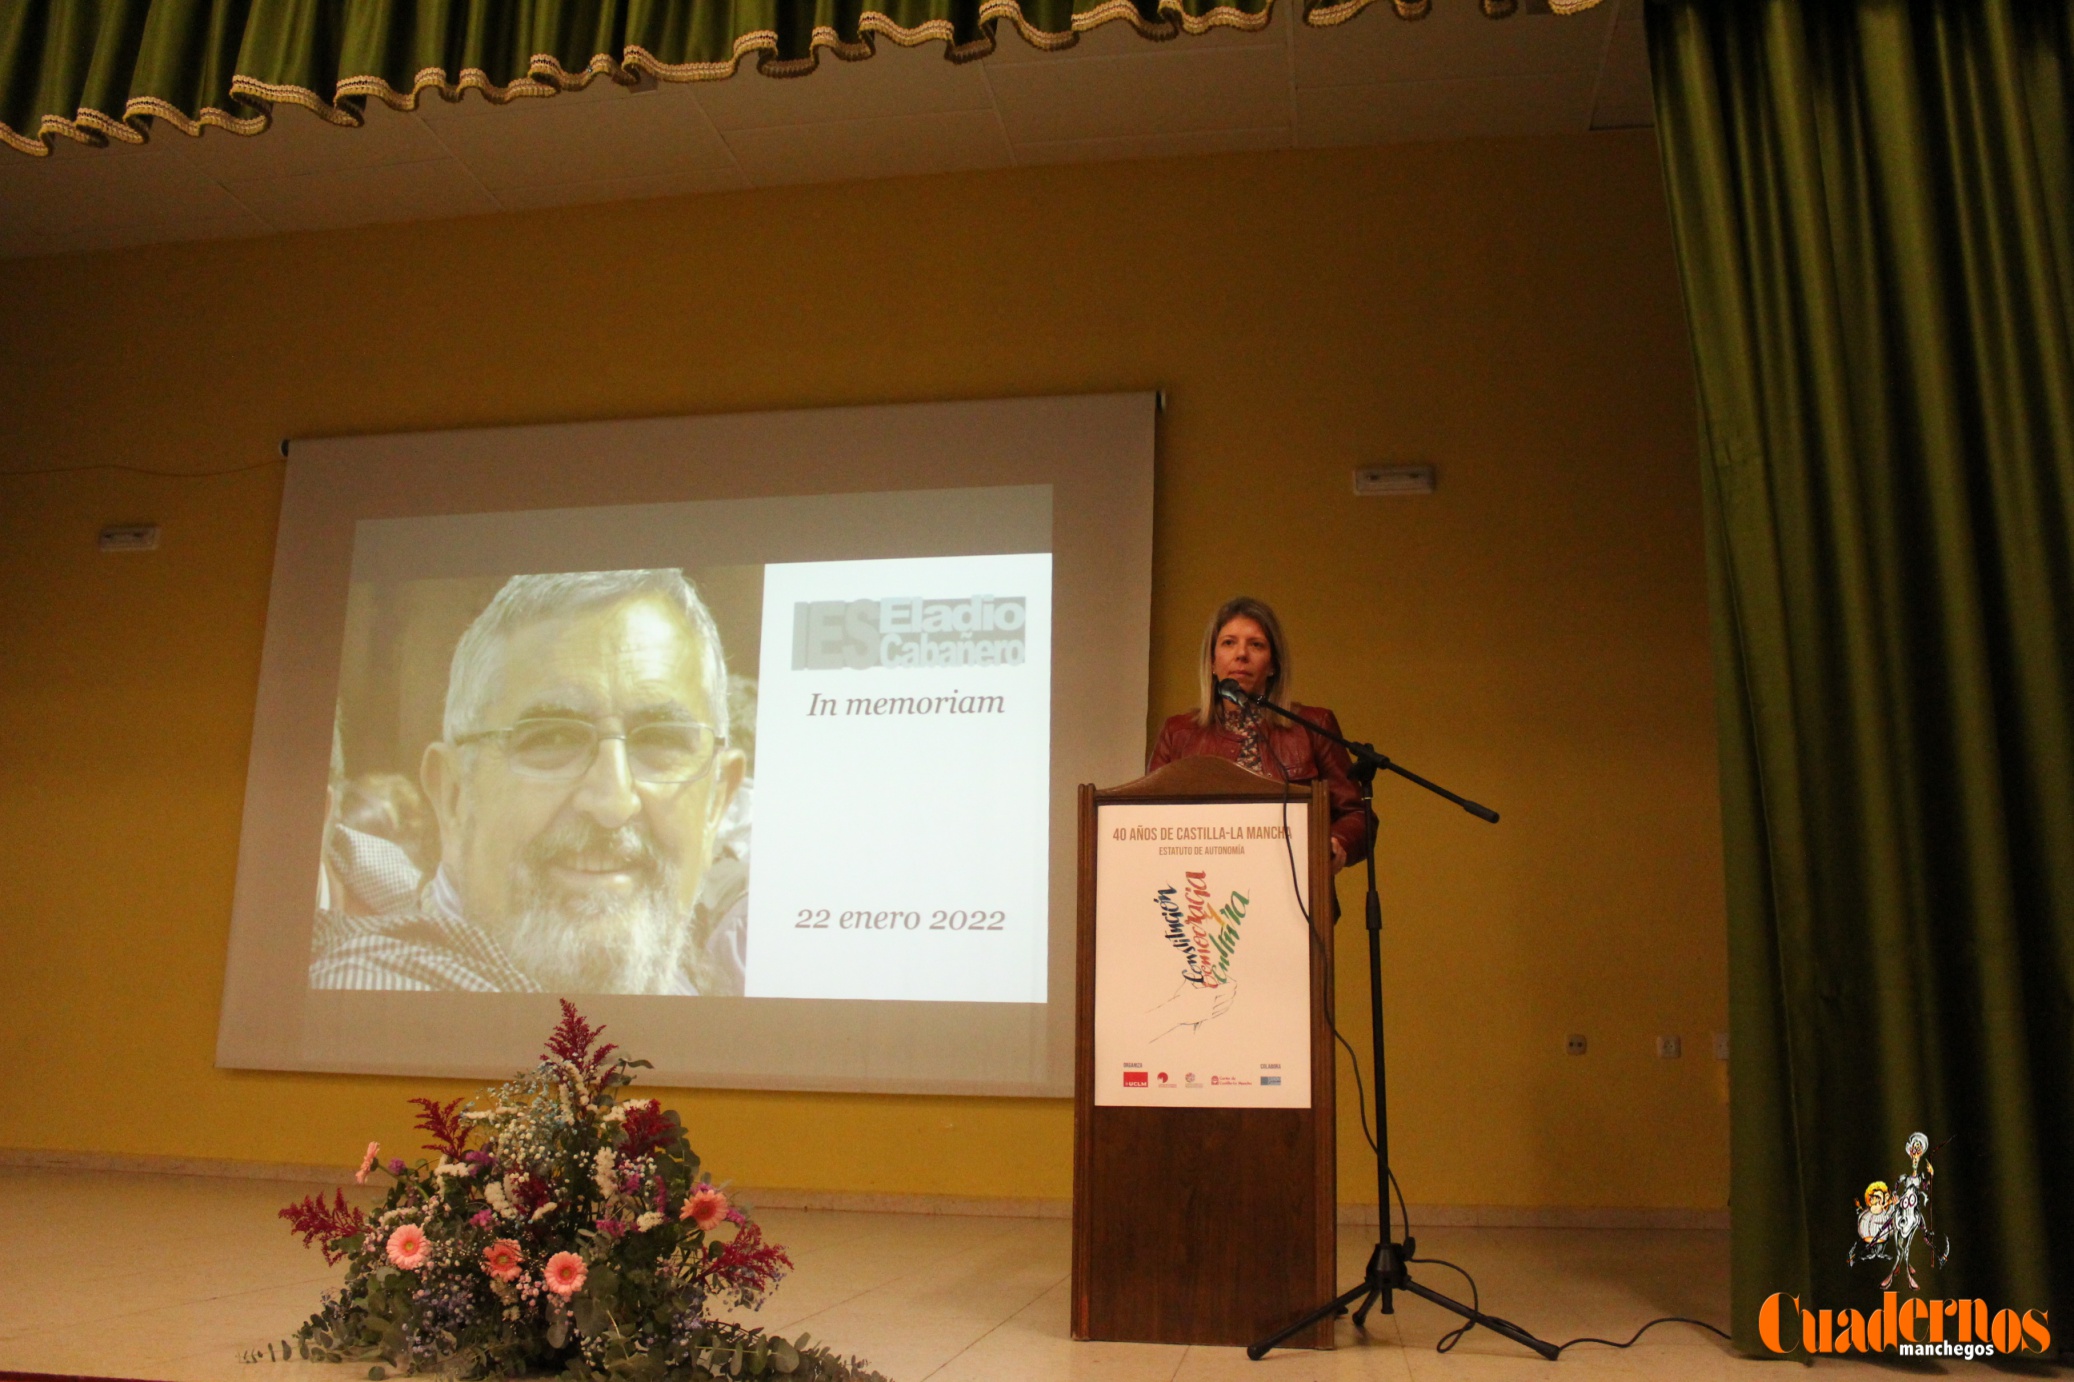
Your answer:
<point x="1244" y="643"/>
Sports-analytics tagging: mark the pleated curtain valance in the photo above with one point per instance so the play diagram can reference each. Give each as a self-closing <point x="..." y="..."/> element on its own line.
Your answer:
<point x="96" y="70"/>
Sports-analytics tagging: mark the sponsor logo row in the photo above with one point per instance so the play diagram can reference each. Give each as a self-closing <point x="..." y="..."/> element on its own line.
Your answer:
<point x="1136" y="1076"/>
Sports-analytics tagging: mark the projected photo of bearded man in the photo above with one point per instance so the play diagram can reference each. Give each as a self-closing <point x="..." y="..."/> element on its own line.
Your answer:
<point x="579" y="785"/>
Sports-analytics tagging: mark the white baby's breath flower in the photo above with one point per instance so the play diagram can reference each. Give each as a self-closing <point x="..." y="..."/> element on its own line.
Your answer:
<point x="545" y="1210"/>
<point x="499" y="1201"/>
<point x="648" y="1221"/>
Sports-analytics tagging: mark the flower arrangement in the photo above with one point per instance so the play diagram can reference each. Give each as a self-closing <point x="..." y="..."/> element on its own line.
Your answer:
<point x="562" y="1229"/>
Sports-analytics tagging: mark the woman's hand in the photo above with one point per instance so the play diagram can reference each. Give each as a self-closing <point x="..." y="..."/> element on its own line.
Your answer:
<point x="1339" y="855"/>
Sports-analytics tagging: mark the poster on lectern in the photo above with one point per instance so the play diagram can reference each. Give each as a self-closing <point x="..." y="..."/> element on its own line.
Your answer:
<point x="1202" y="955"/>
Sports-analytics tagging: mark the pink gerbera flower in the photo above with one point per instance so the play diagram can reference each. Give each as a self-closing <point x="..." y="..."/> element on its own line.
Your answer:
<point x="706" y="1207"/>
<point x="565" y="1274"/>
<point x="408" y="1247"/>
<point x="366" y="1163"/>
<point x="501" y="1260"/>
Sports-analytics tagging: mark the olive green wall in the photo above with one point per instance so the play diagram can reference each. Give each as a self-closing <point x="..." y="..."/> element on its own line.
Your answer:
<point x="1534" y="633"/>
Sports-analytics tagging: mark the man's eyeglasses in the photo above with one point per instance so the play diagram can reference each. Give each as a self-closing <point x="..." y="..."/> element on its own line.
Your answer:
<point x="561" y="750"/>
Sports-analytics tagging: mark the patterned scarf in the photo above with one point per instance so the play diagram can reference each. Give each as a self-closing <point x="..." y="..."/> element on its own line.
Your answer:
<point x="1244" y="721"/>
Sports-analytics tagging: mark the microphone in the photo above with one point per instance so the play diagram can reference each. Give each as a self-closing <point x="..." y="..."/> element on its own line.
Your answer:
<point x="1229" y="690"/>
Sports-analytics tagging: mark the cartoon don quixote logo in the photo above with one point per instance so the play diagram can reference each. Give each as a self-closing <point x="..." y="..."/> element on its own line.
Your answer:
<point x="1892" y="1219"/>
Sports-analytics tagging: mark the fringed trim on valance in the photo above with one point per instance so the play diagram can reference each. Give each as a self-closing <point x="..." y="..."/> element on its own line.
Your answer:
<point x="546" y="76"/>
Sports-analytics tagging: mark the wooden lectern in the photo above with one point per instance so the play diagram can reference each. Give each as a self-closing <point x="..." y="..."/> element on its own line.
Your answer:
<point x="1201" y="1216"/>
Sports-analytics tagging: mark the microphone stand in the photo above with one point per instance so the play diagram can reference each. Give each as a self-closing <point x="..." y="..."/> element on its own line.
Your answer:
<point x="1389" y="1266"/>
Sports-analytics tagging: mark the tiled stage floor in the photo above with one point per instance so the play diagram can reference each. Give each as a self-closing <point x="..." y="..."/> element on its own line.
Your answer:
<point x="168" y="1277"/>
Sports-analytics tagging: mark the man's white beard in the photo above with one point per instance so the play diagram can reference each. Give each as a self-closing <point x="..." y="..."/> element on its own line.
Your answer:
<point x="589" y="944"/>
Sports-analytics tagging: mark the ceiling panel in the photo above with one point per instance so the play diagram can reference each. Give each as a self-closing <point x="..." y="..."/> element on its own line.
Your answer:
<point x="605" y="133"/>
<point x="895" y="81"/>
<point x="1113" y="95"/>
<point x="727" y="179"/>
<point x="82" y="198"/>
<point x="1452" y="41"/>
<point x="1187" y="145"/>
<point x="1172" y="90"/>
<point x="424" y="191"/>
<point x="1625" y="93"/>
<point x="1399" y="112"/>
<point x="301" y="142"/>
<point x="435" y="109"/>
<point x="1121" y="40"/>
<point x="890" y="146"/>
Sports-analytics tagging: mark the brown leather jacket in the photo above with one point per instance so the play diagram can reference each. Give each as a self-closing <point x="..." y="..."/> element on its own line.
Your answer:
<point x="1304" y="755"/>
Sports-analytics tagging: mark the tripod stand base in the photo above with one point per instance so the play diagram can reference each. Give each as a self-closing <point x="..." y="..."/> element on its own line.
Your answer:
<point x="1389" y="1270"/>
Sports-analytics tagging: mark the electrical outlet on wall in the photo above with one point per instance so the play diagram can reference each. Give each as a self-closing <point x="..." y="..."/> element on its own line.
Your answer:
<point x="1573" y="1044"/>
<point x="1669" y="1048"/>
<point x="1721" y="1046"/>
<point x="129" y="537"/>
<point x="1393" y="479"/>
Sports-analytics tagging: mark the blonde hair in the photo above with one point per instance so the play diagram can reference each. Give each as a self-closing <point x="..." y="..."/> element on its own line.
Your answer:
<point x="1241" y="607"/>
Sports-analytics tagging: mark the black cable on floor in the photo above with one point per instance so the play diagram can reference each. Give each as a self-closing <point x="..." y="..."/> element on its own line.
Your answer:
<point x="1661" y="1319"/>
<point x="1448" y="1340"/>
<point x="1454" y="1336"/>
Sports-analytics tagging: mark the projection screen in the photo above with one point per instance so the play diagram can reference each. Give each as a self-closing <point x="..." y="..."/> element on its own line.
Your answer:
<point x="754" y="735"/>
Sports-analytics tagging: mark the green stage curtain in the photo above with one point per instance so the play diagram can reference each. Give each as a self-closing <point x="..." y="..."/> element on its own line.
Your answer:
<point x="95" y="70"/>
<point x="1871" y="201"/>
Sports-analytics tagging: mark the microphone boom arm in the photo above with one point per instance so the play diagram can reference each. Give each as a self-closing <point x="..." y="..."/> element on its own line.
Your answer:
<point x="1368" y="762"/>
<point x="1389" y="1266"/>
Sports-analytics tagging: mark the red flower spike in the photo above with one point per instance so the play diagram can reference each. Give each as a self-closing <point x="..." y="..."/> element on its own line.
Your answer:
<point x="531" y="1193"/>
<point x="747" y="1265"/>
<point x="572" y="1040"/>
<point x="444" y="1122"/>
<point x="323" y="1225"/>
<point x="647" y="1128"/>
